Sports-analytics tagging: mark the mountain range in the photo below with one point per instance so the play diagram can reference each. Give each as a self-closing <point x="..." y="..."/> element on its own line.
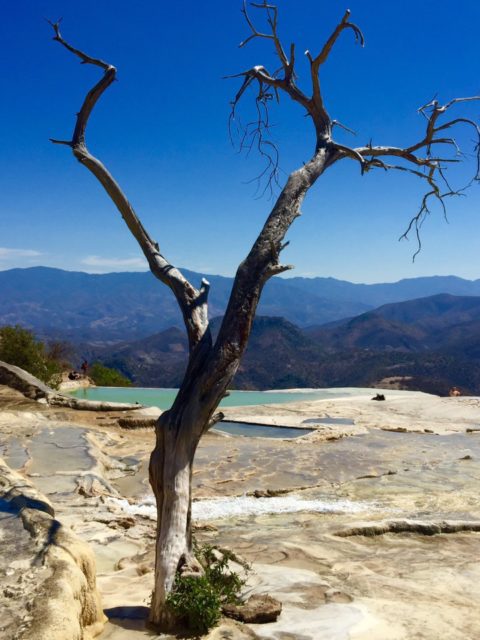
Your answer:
<point x="429" y="344"/>
<point x="440" y="322"/>
<point x="316" y="332"/>
<point x="112" y="307"/>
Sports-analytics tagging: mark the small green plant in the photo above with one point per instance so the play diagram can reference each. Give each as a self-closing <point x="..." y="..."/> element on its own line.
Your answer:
<point x="215" y="561"/>
<point x="196" y="601"/>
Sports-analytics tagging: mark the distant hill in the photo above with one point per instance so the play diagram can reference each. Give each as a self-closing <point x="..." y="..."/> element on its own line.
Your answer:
<point x="112" y="307"/>
<point x="127" y="306"/>
<point x="279" y="355"/>
<point x="155" y="361"/>
<point x="442" y="322"/>
<point x="434" y="341"/>
<point x="379" y="294"/>
<point x="430" y="344"/>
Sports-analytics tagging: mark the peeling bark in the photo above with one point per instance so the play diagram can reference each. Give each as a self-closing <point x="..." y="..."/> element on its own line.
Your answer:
<point x="170" y="477"/>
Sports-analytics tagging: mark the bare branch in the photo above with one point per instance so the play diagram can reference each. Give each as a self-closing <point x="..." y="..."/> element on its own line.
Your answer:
<point x="458" y="100"/>
<point x="434" y="166"/>
<point x="272" y="19"/>
<point x="277" y="269"/>
<point x="268" y="86"/>
<point x="328" y="46"/>
<point x="376" y="162"/>
<point x="336" y="123"/>
<point x="423" y="162"/>
<point x="256" y="134"/>
<point x="352" y="153"/>
<point x="287" y="82"/>
<point x="321" y="58"/>
<point x="191" y="301"/>
<point x="68" y="143"/>
<point x="255" y="33"/>
<point x="215" y="419"/>
<point x="84" y="58"/>
<point x="417" y="220"/>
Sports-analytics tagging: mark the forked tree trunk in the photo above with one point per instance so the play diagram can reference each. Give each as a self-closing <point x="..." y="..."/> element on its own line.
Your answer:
<point x="210" y="371"/>
<point x="211" y="366"/>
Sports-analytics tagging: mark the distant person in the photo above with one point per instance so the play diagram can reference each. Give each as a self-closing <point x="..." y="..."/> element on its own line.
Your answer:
<point x="84" y="368"/>
<point x="454" y="392"/>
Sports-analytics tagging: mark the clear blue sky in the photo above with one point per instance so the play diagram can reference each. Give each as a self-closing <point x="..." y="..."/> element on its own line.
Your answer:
<point x="162" y="131"/>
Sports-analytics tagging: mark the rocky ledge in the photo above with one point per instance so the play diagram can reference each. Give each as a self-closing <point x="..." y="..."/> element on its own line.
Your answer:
<point x="34" y="389"/>
<point x="48" y="574"/>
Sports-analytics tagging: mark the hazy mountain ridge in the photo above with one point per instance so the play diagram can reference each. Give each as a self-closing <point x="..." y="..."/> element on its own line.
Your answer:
<point x="119" y="306"/>
<point x="279" y="355"/>
<point x="126" y="306"/>
<point x="379" y="294"/>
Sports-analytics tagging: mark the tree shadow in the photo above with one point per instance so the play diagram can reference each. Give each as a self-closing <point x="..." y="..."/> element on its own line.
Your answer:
<point x="135" y="618"/>
<point x="8" y="508"/>
<point x="14" y="502"/>
<point x="131" y="618"/>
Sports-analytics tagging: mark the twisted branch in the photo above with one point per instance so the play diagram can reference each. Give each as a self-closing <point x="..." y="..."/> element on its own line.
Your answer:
<point x="271" y="85"/>
<point x="419" y="158"/>
<point x="268" y="87"/>
<point x="192" y="302"/>
<point x="434" y="166"/>
<point x="321" y="58"/>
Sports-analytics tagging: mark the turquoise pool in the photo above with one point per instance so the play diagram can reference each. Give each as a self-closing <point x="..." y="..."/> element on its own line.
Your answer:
<point x="259" y="430"/>
<point x="164" y="398"/>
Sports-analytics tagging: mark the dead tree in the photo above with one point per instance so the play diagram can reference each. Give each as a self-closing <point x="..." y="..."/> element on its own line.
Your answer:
<point x="213" y="364"/>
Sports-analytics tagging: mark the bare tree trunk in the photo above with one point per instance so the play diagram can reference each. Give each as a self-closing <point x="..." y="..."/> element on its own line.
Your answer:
<point x="178" y="432"/>
<point x="170" y="476"/>
<point x="210" y="372"/>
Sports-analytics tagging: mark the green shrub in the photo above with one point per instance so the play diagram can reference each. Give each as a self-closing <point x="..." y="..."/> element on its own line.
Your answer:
<point x="106" y="377"/>
<point x="225" y="582"/>
<point x="18" y="346"/>
<point x="197" y="601"/>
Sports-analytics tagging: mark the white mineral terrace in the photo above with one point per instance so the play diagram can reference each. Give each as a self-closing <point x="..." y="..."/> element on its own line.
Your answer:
<point x="242" y="506"/>
<point x="405" y="464"/>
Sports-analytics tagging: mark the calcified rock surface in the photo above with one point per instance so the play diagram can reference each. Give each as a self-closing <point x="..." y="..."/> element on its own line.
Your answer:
<point x="387" y="547"/>
<point x="49" y="579"/>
